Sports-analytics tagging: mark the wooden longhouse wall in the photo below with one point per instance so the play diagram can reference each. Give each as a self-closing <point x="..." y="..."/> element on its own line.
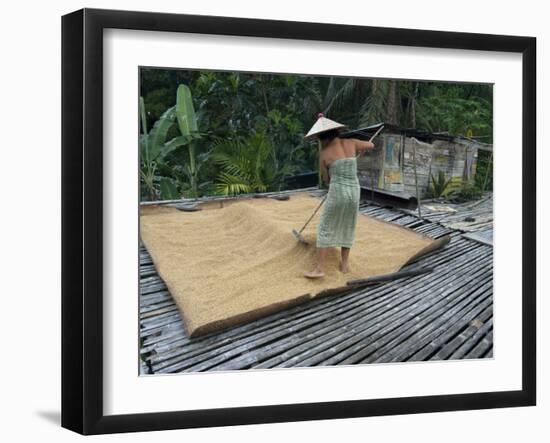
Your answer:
<point x="390" y="166"/>
<point x="370" y="165"/>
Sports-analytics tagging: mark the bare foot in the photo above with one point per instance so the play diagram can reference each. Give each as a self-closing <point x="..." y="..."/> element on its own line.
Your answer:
<point x="344" y="268"/>
<point x="316" y="273"/>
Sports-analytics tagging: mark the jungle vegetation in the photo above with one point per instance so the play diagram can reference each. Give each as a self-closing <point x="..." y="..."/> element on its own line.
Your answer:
<point x="205" y="132"/>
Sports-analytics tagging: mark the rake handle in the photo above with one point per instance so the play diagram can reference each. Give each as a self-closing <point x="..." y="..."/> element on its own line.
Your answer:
<point x="376" y="133"/>
<point x="314" y="212"/>
<point x="371" y="139"/>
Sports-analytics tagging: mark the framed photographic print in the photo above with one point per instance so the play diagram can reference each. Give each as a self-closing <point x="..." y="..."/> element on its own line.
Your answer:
<point x="268" y="221"/>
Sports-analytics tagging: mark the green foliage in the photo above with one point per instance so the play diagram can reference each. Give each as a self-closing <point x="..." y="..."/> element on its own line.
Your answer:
<point x="187" y="123"/>
<point x="456" y="192"/>
<point x="185" y="112"/>
<point x="484" y="171"/>
<point x="168" y="189"/>
<point x="454" y="115"/>
<point x="245" y="165"/>
<point x="449" y="109"/>
<point x="439" y="186"/>
<point x="158" y="88"/>
<point x="192" y="113"/>
<point x="467" y="192"/>
<point x="153" y="149"/>
<point x="158" y="175"/>
<point x="157" y="102"/>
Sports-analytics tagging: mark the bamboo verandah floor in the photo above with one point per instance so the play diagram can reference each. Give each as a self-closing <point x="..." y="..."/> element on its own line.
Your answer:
<point x="446" y="314"/>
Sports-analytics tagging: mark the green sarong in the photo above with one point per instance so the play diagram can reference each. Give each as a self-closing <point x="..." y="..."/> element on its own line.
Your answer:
<point x="339" y="217"/>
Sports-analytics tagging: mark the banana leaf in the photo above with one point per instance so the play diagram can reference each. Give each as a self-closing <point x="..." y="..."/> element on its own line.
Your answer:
<point x="143" y="147"/>
<point x="143" y="139"/>
<point x="176" y="142"/>
<point x="157" y="135"/>
<point x="185" y="112"/>
<point x="168" y="190"/>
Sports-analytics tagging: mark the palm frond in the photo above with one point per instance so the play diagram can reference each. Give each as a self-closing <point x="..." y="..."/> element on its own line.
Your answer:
<point x="231" y="185"/>
<point x="245" y="164"/>
<point x="374" y="105"/>
<point x="339" y="97"/>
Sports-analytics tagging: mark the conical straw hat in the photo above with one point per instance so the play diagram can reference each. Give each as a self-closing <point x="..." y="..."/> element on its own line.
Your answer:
<point x="323" y="124"/>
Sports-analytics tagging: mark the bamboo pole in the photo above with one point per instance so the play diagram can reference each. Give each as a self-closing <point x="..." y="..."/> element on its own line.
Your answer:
<point x="487" y="171"/>
<point x="388" y="277"/>
<point x="416" y="180"/>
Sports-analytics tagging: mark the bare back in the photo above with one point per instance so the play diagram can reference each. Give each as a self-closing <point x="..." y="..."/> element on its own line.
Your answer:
<point x="338" y="148"/>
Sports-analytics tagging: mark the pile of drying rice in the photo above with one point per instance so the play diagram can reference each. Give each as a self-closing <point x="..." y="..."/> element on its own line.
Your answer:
<point x="231" y="264"/>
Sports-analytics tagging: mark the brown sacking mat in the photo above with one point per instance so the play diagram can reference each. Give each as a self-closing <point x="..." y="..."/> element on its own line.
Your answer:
<point x="230" y="264"/>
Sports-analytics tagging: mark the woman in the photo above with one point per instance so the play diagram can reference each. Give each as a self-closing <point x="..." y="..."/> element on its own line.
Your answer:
<point x="338" y="165"/>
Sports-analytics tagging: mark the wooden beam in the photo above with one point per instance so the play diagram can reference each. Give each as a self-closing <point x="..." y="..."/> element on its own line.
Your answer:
<point x="388" y="277"/>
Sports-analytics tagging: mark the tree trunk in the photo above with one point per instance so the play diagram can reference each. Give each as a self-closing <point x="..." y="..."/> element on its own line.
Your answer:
<point x="391" y="110"/>
<point x="413" y="106"/>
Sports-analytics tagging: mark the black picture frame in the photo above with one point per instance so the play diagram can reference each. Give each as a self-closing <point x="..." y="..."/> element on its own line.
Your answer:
<point x="82" y="215"/>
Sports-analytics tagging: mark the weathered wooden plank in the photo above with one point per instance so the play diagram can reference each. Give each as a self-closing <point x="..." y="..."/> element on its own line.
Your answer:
<point x="154" y="298"/>
<point x="277" y="318"/>
<point x="150" y="289"/>
<point x="153" y="342"/>
<point x="388" y="277"/>
<point x="155" y="325"/>
<point x="218" y="354"/>
<point x="243" y="338"/>
<point x="406" y="219"/>
<point x="454" y="335"/>
<point x="482" y="347"/>
<point x="471" y="341"/>
<point x="370" y="340"/>
<point x="147" y="270"/>
<point x="143" y="369"/>
<point x="164" y="311"/>
<point x="429" y="328"/>
<point x="143" y="309"/>
<point x="391" y="338"/>
<point x="484" y="237"/>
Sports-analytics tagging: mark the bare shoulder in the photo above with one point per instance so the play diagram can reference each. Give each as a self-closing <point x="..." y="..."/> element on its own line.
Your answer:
<point x="350" y="145"/>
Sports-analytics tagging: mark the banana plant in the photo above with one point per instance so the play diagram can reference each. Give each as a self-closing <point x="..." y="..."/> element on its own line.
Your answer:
<point x="147" y="167"/>
<point x="153" y="151"/>
<point x="187" y="123"/>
